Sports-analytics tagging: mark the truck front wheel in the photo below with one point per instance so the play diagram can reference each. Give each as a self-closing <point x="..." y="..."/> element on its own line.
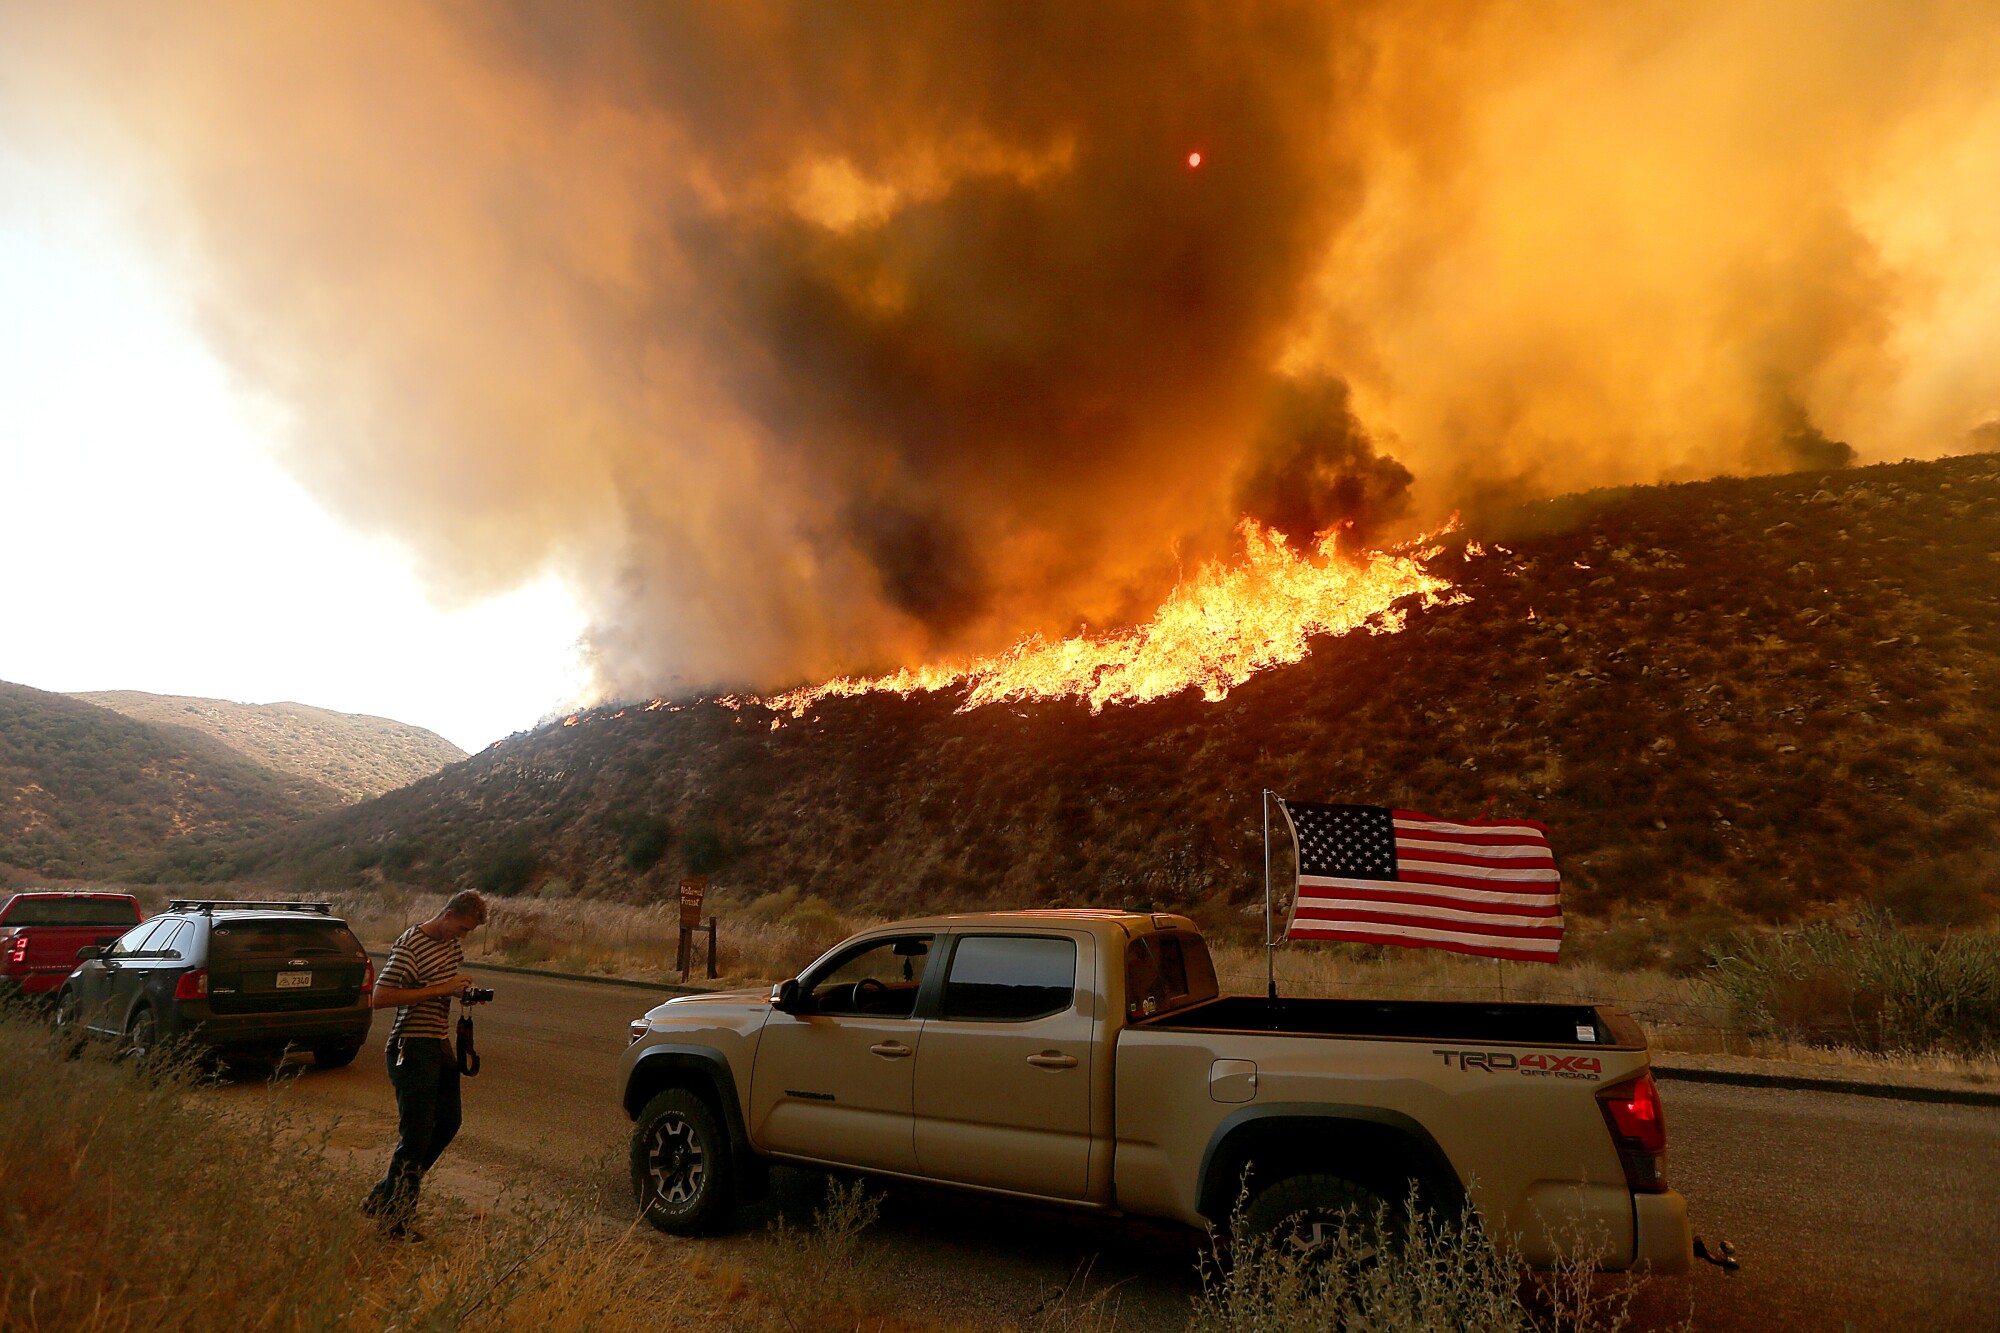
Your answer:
<point x="680" y="1164"/>
<point x="1304" y="1214"/>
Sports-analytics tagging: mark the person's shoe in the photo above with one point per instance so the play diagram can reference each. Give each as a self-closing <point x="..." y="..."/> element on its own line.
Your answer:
<point x="402" y="1231"/>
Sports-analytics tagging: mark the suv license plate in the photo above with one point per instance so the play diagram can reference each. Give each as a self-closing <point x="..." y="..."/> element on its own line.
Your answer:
<point x="294" y="980"/>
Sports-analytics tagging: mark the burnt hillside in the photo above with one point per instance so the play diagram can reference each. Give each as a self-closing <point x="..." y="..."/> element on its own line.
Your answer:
<point x="1748" y="695"/>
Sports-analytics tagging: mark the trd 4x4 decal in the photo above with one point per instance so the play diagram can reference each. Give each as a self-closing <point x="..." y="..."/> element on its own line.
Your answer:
<point x="1587" y="1067"/>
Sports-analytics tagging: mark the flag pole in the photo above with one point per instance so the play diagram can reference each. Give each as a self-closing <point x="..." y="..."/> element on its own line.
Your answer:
<point x="1270" y="955"/>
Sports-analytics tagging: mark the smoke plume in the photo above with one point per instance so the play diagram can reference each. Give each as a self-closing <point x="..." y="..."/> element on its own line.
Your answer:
<point x="806" y="338"/>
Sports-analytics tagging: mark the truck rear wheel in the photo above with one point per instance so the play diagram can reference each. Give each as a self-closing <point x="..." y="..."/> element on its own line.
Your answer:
<point x="680" y="1164"/>
<point x="1302" y="1215"/>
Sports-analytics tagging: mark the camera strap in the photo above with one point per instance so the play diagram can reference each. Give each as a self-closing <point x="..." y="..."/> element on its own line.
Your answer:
<point x="468" y="1059"/>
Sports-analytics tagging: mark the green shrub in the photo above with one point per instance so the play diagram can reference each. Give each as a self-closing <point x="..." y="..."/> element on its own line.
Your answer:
<point x="1872" y="987"/>
<point x="645" y="838"/>
<point x="510" y="867"/>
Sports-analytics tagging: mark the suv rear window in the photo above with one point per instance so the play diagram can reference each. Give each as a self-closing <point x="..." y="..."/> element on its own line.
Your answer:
<point x="70" y="912"/>
<point x="236" y="939"/>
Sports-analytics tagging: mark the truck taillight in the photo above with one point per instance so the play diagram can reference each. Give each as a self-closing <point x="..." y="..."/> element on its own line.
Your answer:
<point x="17" y="948"/>
<point x="193" y="984"/>
<point x="1639" y="1128"/>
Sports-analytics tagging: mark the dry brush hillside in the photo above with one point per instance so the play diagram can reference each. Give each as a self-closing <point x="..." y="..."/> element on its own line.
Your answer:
<point x="355" y="755"/>
<point x="1739" y="697"/>
<point x="87" y="792"/>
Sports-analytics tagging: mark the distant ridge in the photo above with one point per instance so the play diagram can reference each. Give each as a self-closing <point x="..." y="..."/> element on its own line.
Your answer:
<point x="355" y="755"/>
<point x="89" y="793"/>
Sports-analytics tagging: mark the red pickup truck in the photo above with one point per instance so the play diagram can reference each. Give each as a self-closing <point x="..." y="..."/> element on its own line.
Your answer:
<point x="41" y="931"/>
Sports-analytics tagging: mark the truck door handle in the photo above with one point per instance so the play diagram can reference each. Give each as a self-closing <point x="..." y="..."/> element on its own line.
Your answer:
<point x="890" y="1050"/>
<point x="1052" y="1060"/>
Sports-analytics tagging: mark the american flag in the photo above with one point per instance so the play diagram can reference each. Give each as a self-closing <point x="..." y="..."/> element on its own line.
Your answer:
<point x="1384" y="876"/>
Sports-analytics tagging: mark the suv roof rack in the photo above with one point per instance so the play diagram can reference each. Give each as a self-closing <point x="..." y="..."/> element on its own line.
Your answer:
<point x="280" y="905"/>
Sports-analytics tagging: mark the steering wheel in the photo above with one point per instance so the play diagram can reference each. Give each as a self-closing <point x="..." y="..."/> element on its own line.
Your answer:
<point x="869" y="994"/>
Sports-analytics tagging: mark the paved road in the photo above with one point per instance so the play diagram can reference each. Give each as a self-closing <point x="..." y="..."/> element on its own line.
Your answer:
<point x="1849" y="1212"/>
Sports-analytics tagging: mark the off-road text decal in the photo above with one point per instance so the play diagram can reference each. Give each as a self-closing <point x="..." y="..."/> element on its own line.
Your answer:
<point x="1587" y="1067"/>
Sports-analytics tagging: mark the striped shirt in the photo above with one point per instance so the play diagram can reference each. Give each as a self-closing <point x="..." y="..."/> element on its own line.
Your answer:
<point x="417" y="960"/>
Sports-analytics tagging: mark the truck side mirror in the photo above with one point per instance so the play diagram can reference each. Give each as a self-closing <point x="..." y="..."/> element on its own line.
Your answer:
<point x="785" y="996"/>
<point x="88" y="952"/>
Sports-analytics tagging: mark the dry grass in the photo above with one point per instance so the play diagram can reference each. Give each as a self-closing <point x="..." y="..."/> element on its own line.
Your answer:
<point x="1442" y="1275"/>
<point x="132" y="1202"/>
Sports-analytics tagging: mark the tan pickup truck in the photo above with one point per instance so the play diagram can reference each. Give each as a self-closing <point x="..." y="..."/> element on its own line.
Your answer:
<point x="1086" y="1058"/>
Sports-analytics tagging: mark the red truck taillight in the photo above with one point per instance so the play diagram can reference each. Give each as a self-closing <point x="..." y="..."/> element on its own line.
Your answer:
<point x="193" y="985"/>
<point x="17" y="948"/>
<point x="1639" y="1128"/>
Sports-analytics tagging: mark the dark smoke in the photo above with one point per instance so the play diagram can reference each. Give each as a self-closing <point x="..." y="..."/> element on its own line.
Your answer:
<point x="1804" y="445"/>
<point x="1316" y="468"/>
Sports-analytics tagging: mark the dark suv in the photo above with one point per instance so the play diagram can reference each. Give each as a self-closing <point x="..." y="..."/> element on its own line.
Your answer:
<point x="239" y="978"/>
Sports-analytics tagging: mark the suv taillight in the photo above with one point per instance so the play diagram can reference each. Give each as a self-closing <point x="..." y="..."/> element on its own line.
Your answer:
<point x="17" y="948"/>
<point x="368" y="979"/>
<point x="193" y="984"/>
<point x="1639" y="1128"/>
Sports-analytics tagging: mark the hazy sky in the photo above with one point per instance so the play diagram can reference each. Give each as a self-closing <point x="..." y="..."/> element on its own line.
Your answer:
<point x="151" y="542"/>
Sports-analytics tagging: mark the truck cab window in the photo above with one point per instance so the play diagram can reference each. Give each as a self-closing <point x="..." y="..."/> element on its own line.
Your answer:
<point x="1010" y="978"/>
<point x="881" y="978"/>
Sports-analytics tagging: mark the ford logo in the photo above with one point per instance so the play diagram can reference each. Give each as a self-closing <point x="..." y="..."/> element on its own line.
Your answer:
<point x="295" y="962"/>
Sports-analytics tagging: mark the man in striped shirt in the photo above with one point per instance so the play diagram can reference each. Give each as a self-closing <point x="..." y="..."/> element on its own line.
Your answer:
<point x="419" y="979"/>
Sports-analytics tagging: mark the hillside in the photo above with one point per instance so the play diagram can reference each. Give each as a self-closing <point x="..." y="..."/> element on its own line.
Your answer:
<point x="355" y="755"/>
<point x="1738" y="697"/>
<point x="85" y="791"/>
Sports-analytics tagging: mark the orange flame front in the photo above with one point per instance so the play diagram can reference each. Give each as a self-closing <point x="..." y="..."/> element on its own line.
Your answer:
<point x="1215" y="630"/>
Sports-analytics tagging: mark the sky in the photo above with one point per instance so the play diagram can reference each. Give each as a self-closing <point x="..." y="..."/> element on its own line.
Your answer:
<point x="525" y="351"/>
<point x="154" y="542"/>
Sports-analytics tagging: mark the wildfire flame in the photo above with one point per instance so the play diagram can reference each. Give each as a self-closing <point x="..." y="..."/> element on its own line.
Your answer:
<point x="1216" y="629"/>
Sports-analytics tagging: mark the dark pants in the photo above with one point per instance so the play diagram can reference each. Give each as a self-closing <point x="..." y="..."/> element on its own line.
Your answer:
<point x="427" y="1116"/>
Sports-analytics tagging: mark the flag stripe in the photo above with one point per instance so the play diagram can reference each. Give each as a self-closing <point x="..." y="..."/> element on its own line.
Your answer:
<point x="1498" y="855"/>
<point x="1438" y="919"/>
<point x="1473" y="875"/>
<point x="1536" y="952"/>
<point x="1386" y="891"/>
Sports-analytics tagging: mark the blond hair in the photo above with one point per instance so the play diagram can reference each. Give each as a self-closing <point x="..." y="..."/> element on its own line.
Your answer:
<point x="468" y="902"/>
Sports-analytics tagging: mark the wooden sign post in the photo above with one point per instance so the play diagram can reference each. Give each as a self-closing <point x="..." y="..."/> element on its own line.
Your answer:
<point x="692" y="889"/>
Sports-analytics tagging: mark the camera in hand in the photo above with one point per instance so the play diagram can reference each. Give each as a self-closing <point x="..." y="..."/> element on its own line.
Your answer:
<point x="476" y="994"/>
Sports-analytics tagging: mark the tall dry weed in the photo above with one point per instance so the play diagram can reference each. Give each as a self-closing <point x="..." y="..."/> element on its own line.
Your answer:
<point x="1440" y="1275"/>
<point x="138" y="1199"/>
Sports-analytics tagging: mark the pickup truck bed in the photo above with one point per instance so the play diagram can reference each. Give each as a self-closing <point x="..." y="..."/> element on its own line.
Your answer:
<point x="1413" y="1020"/>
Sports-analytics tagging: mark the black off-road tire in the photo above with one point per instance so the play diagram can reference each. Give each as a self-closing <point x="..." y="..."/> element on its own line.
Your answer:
<point x="335" y="1054"/>
<point x="1299" y="1214"/>
<point x="70" y="1032"/>
<point x="681" y="1172"/>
